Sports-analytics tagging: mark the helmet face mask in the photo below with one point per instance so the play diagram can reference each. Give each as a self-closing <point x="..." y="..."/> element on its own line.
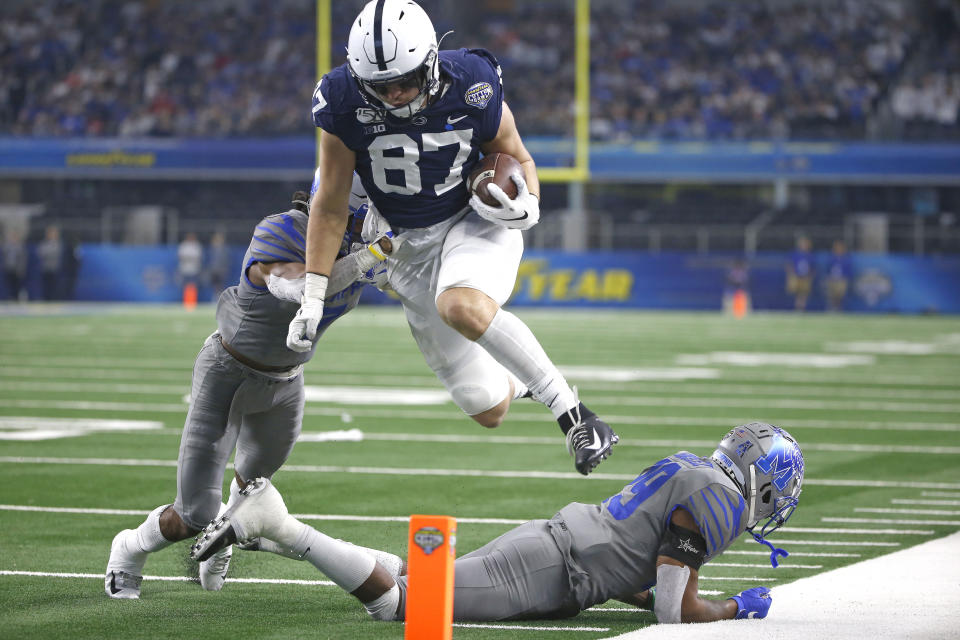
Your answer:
<point x="393" y="47"/>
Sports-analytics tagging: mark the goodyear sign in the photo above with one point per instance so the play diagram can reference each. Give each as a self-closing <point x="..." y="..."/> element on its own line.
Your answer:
<point x="540" y="282"/>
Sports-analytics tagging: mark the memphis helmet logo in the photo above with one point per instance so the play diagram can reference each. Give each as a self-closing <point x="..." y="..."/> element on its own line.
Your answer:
<point x="782" y="462"/>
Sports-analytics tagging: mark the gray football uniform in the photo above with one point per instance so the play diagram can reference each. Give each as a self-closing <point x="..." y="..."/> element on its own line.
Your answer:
<point x="235" y="406"/>
<point x="587" y="554"/>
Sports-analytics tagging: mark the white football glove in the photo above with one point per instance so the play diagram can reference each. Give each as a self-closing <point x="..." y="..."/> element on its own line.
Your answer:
<point x="520" y="213"/>
<point x="303" y="327"/>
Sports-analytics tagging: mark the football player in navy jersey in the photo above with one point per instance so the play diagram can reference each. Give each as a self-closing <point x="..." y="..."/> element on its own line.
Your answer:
<point x="413" y="122"/>
<point x="247" y="390"/>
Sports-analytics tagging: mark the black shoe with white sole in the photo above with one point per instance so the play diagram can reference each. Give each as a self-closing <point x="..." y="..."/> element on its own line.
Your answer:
<point x="590" y="441"/>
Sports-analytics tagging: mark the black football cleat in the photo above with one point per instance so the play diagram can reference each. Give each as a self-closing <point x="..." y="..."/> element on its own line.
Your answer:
<point x="590" y="441"/>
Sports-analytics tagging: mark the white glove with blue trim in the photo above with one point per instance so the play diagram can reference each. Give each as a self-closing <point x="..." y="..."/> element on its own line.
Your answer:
<point x="520" y="213"/>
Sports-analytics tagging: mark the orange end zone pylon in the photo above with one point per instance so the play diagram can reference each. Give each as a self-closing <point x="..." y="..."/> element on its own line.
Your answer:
<point x="190" y="296"/>
<point x="431" y="550"/>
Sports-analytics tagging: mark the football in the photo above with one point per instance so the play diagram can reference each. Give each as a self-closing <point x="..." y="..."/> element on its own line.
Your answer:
<point x="495" y="168"/>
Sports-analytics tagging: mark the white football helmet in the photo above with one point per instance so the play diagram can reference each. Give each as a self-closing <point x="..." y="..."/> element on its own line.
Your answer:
<point x="393" y="42"/>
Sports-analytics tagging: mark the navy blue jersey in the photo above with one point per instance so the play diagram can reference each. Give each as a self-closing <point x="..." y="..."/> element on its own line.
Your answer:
<point x="414" y="171"/>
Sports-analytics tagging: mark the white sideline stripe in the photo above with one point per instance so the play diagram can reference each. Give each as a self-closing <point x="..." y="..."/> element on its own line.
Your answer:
<point x="793" y="554"/>
<point x="918" y="584"/>
<point x="914" y="512"/>
<point x="548" y="475"/>
<point x="832" y="543"/>
<point x="931" y="503"/>
<point x="950" y="523"/>
<point x="518" y="416"/>
<point x="940" y="494"/>
<point x="765" y="566"/>
<point x="473" y="625"/>
<point x="99" y="576"/>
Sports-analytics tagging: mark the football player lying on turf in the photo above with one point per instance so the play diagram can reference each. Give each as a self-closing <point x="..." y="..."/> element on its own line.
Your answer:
<point x="658" y="531"/>
<point x="247" y="389"/>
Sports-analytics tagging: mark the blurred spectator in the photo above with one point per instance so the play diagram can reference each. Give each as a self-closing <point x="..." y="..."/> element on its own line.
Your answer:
<point x="800" y="273"/>
<point x="50" y="252"/>
<point x="839" y="272"/>
<point x="685" y="70"/>
<point x="218" y="263"/>
<point x="190" y="261"/>
<point x="15" y="264"/>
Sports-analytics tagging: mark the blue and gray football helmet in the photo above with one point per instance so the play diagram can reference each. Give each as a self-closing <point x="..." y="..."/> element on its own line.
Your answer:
<point x="766" y="464"/>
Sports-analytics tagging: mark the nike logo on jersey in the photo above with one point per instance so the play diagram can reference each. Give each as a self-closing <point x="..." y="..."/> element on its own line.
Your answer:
<point x="452" y="120"/>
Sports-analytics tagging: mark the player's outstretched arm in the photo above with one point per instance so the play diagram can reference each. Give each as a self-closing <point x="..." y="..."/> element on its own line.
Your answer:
<point x="285" y="280"/>
<point x="328" y="220"/>
<point x="678" y="589"/>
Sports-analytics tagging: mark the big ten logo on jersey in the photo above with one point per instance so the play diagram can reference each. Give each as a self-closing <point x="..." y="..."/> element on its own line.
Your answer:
<point x="538" y="282"/>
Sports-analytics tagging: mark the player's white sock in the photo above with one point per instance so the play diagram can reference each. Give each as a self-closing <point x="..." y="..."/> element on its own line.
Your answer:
<point x="384" y="607"/>
<point x="346" y="564"/>
<point x="519" y="389"/>
<point x="392" y="563"/>
<point x="512" y="344"/>
<point x="149" y="538"/>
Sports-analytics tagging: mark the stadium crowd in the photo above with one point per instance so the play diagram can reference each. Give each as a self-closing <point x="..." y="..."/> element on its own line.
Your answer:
<point x="660" y="69"/>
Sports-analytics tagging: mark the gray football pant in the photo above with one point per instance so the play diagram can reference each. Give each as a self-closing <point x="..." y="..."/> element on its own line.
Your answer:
<point x="520" y="575"/>
<point x="232" y="406"/>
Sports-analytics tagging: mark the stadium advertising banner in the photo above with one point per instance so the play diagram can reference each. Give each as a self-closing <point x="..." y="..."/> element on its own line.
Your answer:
<point x="668" y="280"/>
<point x="644" y="160"/>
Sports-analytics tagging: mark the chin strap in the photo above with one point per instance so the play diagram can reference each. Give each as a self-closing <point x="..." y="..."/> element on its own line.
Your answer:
<point x="774" y="551"/>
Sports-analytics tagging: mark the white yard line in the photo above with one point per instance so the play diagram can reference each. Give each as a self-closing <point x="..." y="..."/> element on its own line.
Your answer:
<point x="99" y="576"/>
<point x="793" y="554"/>
<point x="834" y="543"/>
<point x="448" y="413"/>
<point x="932" y="503"/>
<point x="764" y="566"/>
<point x="941" y="494"/>
<point x="534" y="475"/>
<point x="847" y="602"/>
<point x="914" y="512"/>
<point x="949" y="523"/>
<point x="867" y="532"/>
<point x="473" y="625"/>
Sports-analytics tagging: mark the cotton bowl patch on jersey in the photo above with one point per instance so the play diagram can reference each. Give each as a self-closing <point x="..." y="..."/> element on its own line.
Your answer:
<point x="479" y="95"/>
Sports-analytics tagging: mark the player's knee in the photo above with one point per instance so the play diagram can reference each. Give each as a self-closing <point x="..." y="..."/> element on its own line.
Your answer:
<point x="469" y="311"/>
<point x="492" y="418"/>
<point x="481" y="403"/>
